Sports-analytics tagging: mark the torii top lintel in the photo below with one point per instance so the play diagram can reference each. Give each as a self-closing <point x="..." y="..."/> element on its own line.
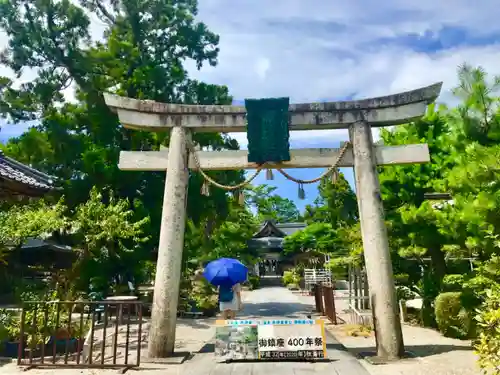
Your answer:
<point x="382" y="111"/>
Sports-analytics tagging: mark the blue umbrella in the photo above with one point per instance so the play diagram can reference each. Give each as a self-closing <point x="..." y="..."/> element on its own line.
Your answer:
<point x="225" y="271"/>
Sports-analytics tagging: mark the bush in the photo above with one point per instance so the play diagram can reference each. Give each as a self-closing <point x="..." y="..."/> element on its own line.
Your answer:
<point x="487" y="345"/>
<point x="452" y="318"/>
<point x="202" y="297"/>
<point x="291" y="277"/>
<point x="254" y="282"/>
<point x="453" y="283"/>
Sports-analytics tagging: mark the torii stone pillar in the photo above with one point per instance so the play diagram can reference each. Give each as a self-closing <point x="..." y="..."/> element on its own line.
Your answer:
<point x="389" y="337"/>
<point x="359" y="116"/>
<point x="169" y="263"/>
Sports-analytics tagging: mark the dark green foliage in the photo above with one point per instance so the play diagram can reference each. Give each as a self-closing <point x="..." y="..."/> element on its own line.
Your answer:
<point x="79" y="140"/>
<point x="452" y="318"/>
<point x="254" y="282"/>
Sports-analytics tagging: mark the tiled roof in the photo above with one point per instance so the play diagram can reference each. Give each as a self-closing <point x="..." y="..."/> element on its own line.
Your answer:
<point x="290" y="228"/>
<point x="20" y="173"/>
<point x="271" y="229"/>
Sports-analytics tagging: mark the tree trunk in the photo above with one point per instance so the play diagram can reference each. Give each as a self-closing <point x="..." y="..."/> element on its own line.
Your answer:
<point x="438" y="265"/>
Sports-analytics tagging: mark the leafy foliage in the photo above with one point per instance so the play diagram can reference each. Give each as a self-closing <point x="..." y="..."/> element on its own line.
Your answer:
<point x="271" y="206"/>
<point x="452" y="318"/>
<point x="336" y="204"/>
<point x="331" y="224"/>
<point x="208" y="242"/>
<point x="140" y="53"/>
<point x="21" y="222"/>
<point x="291" y="277"/>
<point x="108" y="236"/>
<point x="487" y="345"/>
<point x="79" y="140"/>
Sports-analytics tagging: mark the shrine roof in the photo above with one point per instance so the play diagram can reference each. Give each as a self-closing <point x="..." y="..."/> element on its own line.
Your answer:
<point x="272" y="229"/>
<point x="38" y="252"/>
<point x="290" y="228"/>
<point x="19" y="179"/>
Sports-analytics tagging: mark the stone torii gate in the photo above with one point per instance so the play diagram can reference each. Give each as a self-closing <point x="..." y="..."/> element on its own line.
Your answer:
<point x="358" y="116"/>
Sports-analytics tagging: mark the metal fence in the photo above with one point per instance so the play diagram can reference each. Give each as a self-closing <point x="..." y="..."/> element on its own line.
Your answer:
<point x="314" y="276"/>
<point x="325" y="301"/>
<point x="88" y="334"/>
<point x="324" y="297"/>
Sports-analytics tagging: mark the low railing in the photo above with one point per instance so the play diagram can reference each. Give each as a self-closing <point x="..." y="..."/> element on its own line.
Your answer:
<point x="325" y="301"/>
<point x="324" y="297"/>
<point x="360" y="317"/>
<point x="76" y="334"/>
<point x="318" y="298"/>
<point x="329" y="303"/>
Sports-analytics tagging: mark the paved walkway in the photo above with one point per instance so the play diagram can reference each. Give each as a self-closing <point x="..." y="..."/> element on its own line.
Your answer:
<point x="270" y="303"/>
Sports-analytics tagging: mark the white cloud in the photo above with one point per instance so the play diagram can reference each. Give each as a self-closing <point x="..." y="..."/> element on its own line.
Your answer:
<point x="317" y="50"/>
<point x="262" y="66"/>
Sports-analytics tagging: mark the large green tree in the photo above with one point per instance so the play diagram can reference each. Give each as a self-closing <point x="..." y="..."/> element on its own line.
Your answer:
<point x="271" y="206"/>
<point x="336" y="203"/>
<point x="140" y="54"/>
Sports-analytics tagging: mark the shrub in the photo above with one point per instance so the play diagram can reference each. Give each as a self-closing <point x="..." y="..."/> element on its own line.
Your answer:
<point x="5" y="320"/>
<point x="291" y="277"/>
<point x="452" y="318"/>
<point x="254" y="282"/>
<point x="487" y="345"/>
<point x="453" y="283"/>
<point x="202" y="297"/>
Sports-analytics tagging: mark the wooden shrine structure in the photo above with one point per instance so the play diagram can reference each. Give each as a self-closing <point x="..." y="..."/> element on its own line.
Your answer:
<point x="268" y="243"/>
<point x="358" y="116"/>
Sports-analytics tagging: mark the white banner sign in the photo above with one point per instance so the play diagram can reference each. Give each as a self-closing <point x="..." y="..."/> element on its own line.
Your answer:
<point x="297" y="341"/>
<point x="270" y="339"/>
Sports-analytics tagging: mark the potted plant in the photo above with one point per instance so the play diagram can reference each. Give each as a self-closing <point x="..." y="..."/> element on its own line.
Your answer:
<point x="9" y="334"/>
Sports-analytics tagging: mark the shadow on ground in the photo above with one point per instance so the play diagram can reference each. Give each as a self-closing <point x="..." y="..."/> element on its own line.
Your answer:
<point x="336" y="346"/>
<point x="196" y="323"/>
<point x="419" y="350"/>
<point x="267" y="309"/>
<point x="207" y="348"/>
<point x="5" y="361"/>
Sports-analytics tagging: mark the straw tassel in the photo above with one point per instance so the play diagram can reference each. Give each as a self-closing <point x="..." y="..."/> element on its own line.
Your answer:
<point x="302" y="193"/>
<point x="205" y="189"/>
<point x="241" y="198"/>
<point x="335" y="176"/>
<point x="269" y="175"/>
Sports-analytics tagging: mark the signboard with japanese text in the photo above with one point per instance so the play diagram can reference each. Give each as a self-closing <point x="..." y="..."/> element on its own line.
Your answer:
<point x="270" y="339"/>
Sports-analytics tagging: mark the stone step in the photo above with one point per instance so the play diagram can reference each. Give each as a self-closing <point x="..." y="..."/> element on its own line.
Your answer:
<point x="270" y="281"/>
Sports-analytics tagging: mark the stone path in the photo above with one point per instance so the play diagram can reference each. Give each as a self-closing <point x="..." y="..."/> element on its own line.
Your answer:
<point x="274" y="302"/>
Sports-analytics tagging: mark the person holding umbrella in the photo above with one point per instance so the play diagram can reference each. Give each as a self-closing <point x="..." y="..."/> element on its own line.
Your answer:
<point x="227" y="274"/>
<point x="230" y="300"/>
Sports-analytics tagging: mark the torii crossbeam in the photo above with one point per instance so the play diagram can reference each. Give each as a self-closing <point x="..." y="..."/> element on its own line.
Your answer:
<point x="357" y="116"/>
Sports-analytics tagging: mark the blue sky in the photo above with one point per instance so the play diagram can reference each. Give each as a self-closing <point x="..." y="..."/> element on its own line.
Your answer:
<point x="333" y="50"/>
